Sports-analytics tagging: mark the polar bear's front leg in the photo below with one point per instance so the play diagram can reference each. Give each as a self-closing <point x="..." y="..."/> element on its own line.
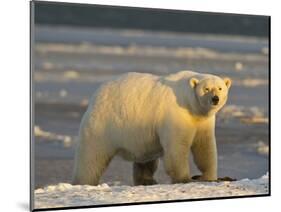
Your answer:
<point x="204" y="151"/>
<point x="176" y="147"/>
<point x="176" y="136"/>
<point x="176" y="164"/>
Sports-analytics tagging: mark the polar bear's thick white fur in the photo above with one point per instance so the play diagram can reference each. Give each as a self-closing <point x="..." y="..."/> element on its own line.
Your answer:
<point x="143" y="117"/>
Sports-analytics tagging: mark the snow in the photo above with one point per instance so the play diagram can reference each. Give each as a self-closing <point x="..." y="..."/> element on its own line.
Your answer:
<point x="262" y="148"/>
<point x="149" y="51"/>
<point x="66" y="140"/>
<point x="65" y="195"/>
<point x="248" y="115"/>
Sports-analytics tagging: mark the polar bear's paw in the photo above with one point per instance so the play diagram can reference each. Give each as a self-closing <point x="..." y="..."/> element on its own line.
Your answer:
<point x="219" y="179"/>
<point x="226" y="178"/>
<point x="146" y="182"/>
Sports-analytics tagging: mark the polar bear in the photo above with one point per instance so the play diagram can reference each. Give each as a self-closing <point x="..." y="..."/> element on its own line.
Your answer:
<point x="143" y="117"/>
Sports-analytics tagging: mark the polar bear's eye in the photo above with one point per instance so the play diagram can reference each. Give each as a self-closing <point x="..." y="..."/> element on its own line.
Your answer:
<point x="207" y="89"/>
<point x="220" y="89"/>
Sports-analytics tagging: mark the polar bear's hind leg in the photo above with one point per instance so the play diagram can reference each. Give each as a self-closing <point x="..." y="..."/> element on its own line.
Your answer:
<point x="90" y="165"/>
<point x="143" y="172"/>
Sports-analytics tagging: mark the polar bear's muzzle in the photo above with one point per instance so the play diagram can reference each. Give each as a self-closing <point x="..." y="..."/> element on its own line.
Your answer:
<point x="215" y="100"/>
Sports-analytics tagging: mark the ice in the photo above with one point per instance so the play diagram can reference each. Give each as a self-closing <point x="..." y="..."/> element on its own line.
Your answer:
<point x="251" y="82"/>
<point x="63" y="93"/>
<point x="262" y="148"/>
<point x="71" y="74"/>
<point x="64" y="195"/>
<point x="148" y="51"/>
<point x="239" y="66"/>
<point x="66" y="140"/>
<point x="248" y="115"/>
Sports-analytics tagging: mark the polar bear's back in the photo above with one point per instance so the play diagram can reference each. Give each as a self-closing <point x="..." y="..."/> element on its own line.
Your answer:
<point x="130" y="93"/>
<point x="126" y="109"/>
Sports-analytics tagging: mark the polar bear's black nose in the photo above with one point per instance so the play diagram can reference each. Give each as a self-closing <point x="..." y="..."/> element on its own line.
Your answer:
<point x="215" y="100"/>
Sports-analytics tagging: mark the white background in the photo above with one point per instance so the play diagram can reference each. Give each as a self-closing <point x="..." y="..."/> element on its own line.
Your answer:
<point x="14" y="103"/>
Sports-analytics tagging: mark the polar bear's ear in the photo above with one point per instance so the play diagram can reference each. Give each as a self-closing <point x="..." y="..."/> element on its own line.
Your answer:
<point x="227" y="82"/>
<point x="193" y="82"/>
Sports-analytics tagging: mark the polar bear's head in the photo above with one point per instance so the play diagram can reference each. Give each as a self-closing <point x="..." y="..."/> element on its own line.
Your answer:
<point x="210" y="93"/>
